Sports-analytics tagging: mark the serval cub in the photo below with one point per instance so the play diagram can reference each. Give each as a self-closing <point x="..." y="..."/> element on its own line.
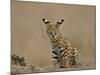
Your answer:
<point x="64" y="55"/>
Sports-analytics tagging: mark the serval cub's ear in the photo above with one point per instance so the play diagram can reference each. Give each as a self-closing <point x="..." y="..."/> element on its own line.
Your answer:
<point x="59" y="23"/>
<point x="45" y="21"/>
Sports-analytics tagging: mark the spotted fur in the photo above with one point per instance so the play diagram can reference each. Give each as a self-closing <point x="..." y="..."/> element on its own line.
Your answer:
<point x="64" y="55"/>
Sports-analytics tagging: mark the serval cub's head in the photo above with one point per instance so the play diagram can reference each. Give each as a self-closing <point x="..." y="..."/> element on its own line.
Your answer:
<point x="53" y="29"/>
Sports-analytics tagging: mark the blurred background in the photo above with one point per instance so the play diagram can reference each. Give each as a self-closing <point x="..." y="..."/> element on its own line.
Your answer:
<point x="29" y="37"/>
